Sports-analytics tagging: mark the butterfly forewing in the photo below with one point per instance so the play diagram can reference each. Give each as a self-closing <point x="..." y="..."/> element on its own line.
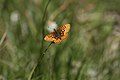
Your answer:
<point x="63" y="30"/>
<point x="50" y="37"/>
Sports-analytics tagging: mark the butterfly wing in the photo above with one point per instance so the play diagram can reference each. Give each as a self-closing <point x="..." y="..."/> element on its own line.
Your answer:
<point x="52" y="37"/>
<point x="57" y="41"/>
<point x="64" y="37"/>
<point x="63" y="30"/>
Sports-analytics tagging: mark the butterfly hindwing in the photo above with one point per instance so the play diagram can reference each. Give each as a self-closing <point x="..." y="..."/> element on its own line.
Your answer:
<point x="57" y="41"/>
<point x="64" y="37"/>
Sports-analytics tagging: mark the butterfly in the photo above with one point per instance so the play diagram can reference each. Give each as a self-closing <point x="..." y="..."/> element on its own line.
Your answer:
<point x="59" y="34"/>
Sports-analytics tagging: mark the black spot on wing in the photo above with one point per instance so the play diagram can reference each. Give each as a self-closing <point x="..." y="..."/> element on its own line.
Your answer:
<point x="61" y="30"/>
<point x="62" y="33"/>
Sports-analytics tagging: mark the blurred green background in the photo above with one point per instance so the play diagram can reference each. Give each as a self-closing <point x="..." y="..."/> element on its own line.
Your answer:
<point x="91" y="52"/>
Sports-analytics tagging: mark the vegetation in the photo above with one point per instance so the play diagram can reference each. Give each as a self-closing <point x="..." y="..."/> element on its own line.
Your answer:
<point x="91" y="51"/>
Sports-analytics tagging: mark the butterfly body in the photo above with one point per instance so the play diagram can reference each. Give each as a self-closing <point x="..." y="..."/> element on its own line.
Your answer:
<point x="59" y="34"/>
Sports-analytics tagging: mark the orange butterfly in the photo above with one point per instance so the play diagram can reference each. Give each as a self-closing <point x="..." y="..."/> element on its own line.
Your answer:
<point x="58" y="35"/>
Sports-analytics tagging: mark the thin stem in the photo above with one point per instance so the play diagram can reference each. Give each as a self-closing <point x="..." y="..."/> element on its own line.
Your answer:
<point x="31" y="73"/>
<point x="43" y="24"/>
<point x="42" y="55"/>
<point x="3" y="38"/>
<point x="44" y="15"/>
<point x="41" y="50"/>
<point x="48" y="47"/>
<point x="39" y="61"/>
